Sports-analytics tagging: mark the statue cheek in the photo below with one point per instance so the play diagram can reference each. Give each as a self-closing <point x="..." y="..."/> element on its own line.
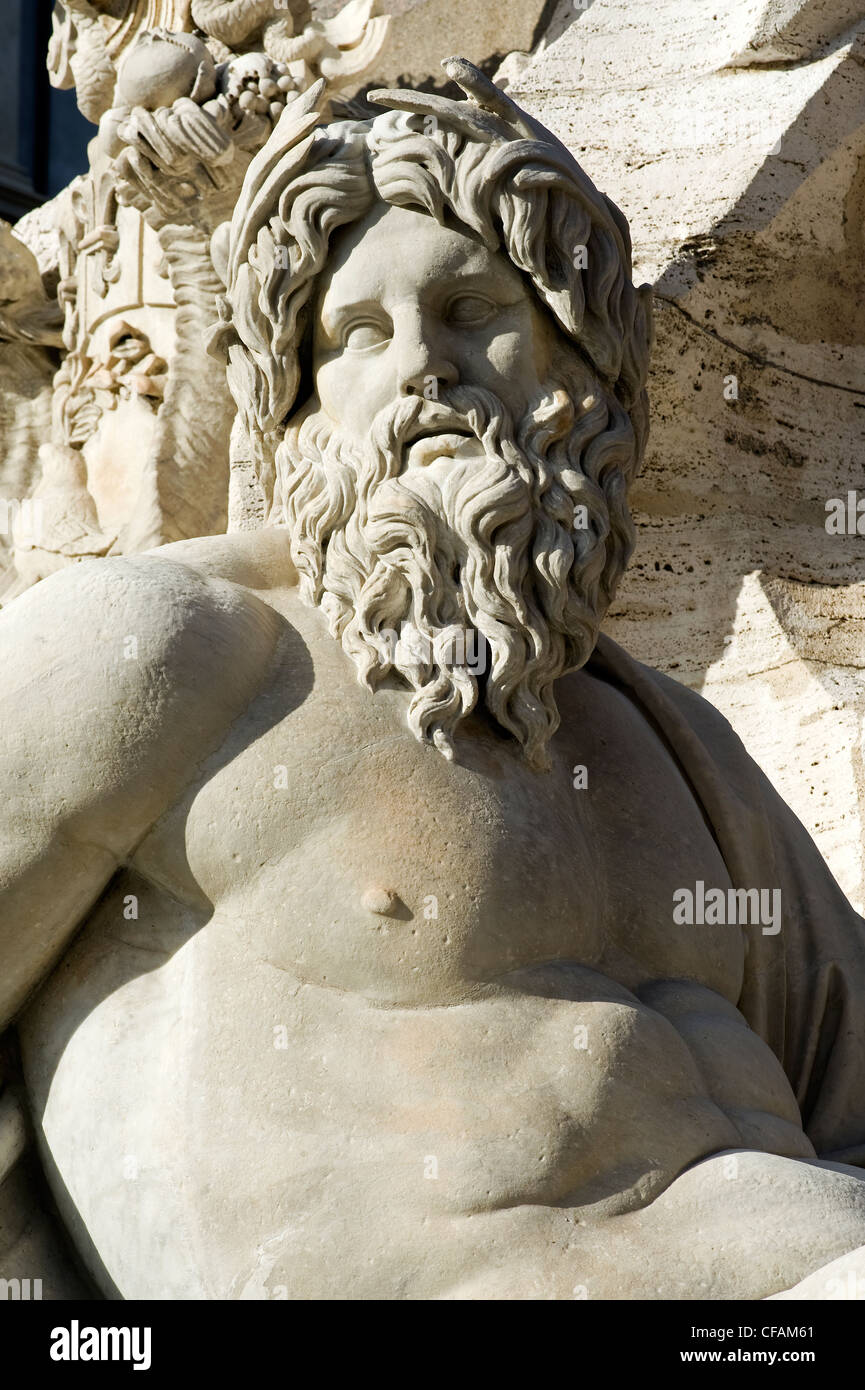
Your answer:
<point x="350" y="388"/>
<point x="519" y="362"/>
<point x="328" y="376"/>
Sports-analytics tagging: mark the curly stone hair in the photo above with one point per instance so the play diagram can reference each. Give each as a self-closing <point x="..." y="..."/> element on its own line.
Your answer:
<point x="482" y="164"/>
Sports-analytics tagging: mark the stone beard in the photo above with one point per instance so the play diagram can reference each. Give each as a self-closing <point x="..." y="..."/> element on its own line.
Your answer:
<point x="488" y="550"/>
<point x="486" y="507"/>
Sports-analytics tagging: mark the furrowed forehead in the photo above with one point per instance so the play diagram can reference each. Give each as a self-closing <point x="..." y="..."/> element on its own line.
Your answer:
<point x="394" y="249"/>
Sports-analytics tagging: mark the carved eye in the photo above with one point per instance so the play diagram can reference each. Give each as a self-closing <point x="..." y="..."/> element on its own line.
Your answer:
<point x="363" y="334"/>
<point x="470" y="310"/>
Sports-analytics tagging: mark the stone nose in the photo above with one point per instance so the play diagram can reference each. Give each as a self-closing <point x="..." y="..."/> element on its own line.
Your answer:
<point x="424" y="359"/>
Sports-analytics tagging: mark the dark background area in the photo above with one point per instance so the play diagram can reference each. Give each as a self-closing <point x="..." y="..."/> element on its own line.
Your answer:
<point x="43" y="136"/>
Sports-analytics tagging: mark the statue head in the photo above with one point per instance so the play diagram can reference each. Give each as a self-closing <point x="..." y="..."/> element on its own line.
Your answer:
<point x="439" y="361"/>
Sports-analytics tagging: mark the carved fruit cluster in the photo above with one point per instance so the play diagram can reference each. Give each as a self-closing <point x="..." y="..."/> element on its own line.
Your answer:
<point x="255" y="85"/>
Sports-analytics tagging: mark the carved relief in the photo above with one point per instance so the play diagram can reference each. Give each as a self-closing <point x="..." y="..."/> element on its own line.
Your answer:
<point x="183" y="96"/>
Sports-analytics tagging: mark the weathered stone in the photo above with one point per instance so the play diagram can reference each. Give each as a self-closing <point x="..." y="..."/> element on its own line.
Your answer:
<point x="128" y="248"/>
<point x="423" y="33"/>
<point x="30" y="323"/>
<point x="441" y="1018"/>
<point x="482" y="961"/>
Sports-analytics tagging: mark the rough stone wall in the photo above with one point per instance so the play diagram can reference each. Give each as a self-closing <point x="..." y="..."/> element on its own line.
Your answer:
<point x="424" y="32"/>
<point x="733" y="137"/>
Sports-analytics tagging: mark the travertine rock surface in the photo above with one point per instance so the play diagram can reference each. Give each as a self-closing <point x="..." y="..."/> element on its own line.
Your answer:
<point x="734" y="136"/>
<point x="425" y="32"/>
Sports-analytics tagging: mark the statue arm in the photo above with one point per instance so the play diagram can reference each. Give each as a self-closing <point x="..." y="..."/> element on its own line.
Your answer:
<point x="119" y="677"/>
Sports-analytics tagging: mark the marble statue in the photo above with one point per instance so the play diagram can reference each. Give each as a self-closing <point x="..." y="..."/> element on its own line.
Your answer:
<point x="372" y="926"/>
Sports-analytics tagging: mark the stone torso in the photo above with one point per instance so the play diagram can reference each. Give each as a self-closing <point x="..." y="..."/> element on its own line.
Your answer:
<point x="369" y="993"/>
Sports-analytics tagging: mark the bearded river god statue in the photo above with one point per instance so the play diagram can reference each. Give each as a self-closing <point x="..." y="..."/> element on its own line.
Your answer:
<point x="372" y="927"/>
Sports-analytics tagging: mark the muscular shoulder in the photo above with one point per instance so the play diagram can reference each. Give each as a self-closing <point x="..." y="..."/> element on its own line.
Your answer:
<point x="132" y="621"/>
<point x="125" y="672"/>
